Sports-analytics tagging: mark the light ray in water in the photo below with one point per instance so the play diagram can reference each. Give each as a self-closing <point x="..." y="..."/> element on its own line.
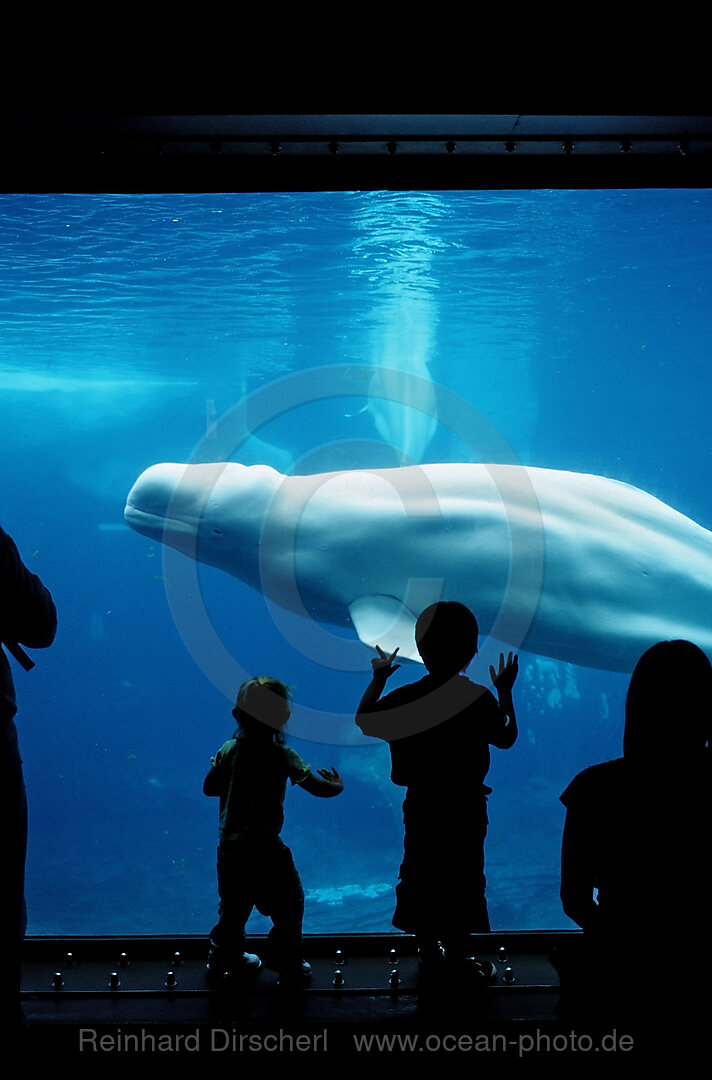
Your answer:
<point x="405" y="318"/>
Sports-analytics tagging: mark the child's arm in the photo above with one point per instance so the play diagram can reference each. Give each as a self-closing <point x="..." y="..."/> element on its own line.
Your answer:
<point x="503" y="681"/>
<point x="383" y="668"/>
<point x="324" y="785"/>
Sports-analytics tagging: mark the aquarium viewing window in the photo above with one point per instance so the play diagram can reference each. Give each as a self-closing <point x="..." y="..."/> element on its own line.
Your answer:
<point x="559" y="328"/>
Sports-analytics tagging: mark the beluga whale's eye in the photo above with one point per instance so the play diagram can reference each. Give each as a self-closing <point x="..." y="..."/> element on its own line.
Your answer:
<point x="218" y="532"/>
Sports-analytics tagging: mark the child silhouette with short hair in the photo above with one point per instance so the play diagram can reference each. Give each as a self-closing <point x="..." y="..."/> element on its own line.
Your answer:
<point x="255" y="867"/>
<point x="439" y="730"/>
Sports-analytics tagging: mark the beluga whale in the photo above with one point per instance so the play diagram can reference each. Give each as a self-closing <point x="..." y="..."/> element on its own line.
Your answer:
<point x="572" y="566"/>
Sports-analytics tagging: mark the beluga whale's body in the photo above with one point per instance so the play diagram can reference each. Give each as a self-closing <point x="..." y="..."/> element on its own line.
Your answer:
<point x="571" y="566"/>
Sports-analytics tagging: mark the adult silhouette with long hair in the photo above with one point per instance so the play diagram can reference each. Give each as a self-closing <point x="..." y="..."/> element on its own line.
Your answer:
<point x="637" y="834"/>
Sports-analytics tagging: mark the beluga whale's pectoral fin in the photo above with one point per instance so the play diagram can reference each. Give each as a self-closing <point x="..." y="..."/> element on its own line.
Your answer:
<point x="385" y="621"/>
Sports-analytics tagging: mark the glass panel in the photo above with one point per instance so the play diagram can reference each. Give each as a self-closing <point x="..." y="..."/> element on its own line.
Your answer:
<point x="568" y="330"/>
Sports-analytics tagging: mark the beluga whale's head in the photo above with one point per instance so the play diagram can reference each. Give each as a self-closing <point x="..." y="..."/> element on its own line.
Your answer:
<point x="210" y="512"/>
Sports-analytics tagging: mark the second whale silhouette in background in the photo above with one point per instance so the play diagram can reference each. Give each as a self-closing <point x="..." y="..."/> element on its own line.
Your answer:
<point x="567" y="565"/>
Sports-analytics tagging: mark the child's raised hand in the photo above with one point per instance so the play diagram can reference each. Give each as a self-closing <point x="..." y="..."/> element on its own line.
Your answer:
<point x="332" y="775"/>
<point x="382" y="664"/>
<point x="505" y="678"/>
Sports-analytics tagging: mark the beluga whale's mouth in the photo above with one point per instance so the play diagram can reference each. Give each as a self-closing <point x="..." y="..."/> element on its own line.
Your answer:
<point x="203" y="510"/>
<point x="159" y="503"/>
<point x="174" y="503"/>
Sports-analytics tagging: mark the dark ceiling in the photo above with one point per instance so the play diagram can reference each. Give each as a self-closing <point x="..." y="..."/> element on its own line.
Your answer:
<point x="343" y="151"/>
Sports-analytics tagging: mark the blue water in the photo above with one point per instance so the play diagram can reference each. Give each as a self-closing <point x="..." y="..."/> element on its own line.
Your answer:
<point x="578" y="324"/>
